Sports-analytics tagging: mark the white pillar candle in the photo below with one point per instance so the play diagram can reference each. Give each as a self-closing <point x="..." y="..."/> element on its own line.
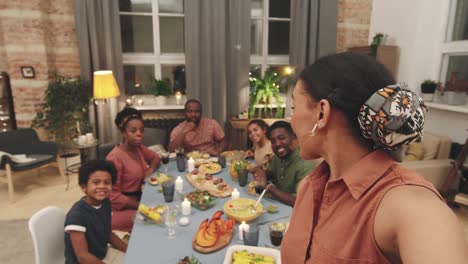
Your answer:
<point x="89" y="138"/>
<point x="186" y="207"/>
<point x="179" y="184"/>
<point x="190" y="165"/>
<point x="245" y="227"/>
<point x="235" y="194"/>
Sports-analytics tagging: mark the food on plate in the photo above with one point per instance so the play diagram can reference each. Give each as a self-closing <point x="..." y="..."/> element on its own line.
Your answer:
<point x="187" y="260"/>
<point x="159" y="178"/>
<point x="199" y="162"/>
<point x="201" y="199"/>
<point x="211" y="230"/>
<point x="244" y="256"/>
<point x="207" y="182"/>
<point x="272" y="209"/>
<point x="210" y="168"/>
<point x="242" y="209"/>
<point x="152" y="213"/>
<point x="198" y="155"/>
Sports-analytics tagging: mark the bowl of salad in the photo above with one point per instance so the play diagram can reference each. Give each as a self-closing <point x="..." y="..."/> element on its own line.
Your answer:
<point x="202" y="200"/>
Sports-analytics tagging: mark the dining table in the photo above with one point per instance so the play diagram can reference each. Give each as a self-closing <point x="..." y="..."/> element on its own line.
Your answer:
<point x="150" y="243"/>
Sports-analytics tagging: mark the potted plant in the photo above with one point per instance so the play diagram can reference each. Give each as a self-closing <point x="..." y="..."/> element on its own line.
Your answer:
<point x="161" y="89"/>
<point x="265" y="96"/>
<point x="65" y="108"/>
<point x="428" y="88"/>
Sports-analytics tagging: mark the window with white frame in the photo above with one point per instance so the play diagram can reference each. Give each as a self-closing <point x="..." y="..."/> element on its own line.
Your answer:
<point x="152" y="43"/>
<point x="454" y="70"/>
<point x="269" y="41"/>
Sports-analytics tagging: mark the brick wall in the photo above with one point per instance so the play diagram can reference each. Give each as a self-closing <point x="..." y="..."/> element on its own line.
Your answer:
<point x="41" y="34"/>
<point x="353" y="23"/>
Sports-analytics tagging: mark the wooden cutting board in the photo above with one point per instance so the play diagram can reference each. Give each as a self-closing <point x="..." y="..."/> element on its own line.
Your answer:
<point x="201" y="187"/>
<point x="222" y="242"/>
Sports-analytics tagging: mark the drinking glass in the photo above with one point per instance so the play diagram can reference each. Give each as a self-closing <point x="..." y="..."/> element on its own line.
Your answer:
<point x="242" y="174"/>
<point x="251" y="236"/>
<point x="170" y="220"/>
<point x="168" y="190"/>
<point x="222" y="161"/>
<point x="259" y="185"/>
<point x="181" y="162"/>
<point x="165" y="160"/>
<point x="276" y="233"/>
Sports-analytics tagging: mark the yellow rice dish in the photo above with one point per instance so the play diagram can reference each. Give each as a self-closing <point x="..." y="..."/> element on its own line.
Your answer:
<point x="246" y="257"/>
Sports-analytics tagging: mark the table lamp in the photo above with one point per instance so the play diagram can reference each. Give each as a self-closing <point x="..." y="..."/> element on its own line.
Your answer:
<point x="104" y="86"/>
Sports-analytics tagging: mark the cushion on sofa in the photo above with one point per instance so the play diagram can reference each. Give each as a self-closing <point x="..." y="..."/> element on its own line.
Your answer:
<point x="431" y="146"/>
<point x="415" y="151"/>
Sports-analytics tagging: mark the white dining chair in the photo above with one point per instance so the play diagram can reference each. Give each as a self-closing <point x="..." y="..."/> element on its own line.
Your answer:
<point x="47" y="232"/>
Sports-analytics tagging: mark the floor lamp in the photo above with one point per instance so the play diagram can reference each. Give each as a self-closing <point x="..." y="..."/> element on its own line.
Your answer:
<point x="105" y="91"/>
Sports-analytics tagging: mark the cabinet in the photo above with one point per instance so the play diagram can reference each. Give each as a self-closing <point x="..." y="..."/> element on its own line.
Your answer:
<point x="7" y="109"/>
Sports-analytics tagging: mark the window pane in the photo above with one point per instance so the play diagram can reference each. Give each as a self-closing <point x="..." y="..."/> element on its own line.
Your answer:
<point x="282" y="70"/>
<point x="278" y="37"/>
<point x="256" y="36"/>
<point x="280" y="8"/>
<point x="460" y="26"/>
<point x="175" y="75"/>
<point x="137" y="33"/>
<point x="172" y="34"/>
<point x="458" y="67"/>
<point x="137" y="79"/>
<point x="171" y="6"/>
<point x="135" y="5"/>
<point x="256" y="8"/>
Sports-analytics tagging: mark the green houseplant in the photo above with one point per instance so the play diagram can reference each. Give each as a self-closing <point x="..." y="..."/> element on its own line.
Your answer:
<point x="161" y="89"/>
<point x="265" y="91"/>
<point x="65" y="105"/>
<point x="428" y="88"/>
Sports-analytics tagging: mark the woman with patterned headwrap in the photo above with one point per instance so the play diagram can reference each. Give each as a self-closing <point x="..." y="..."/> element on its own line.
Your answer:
<point x="359" y="205"/>
<point x="134" y="162"/>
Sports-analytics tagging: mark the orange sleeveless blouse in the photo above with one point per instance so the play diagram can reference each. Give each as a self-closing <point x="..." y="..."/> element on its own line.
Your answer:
<point x="338" y="221"/>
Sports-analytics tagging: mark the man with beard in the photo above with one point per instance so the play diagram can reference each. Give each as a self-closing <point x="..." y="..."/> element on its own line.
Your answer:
<point x="287" y="168"/>
<point x="197" y="132"/>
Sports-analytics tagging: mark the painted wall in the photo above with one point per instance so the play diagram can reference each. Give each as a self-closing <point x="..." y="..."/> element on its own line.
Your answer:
<point x="418" y="28"/>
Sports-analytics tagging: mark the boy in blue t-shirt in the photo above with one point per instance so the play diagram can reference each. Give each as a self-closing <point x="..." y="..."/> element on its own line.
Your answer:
<point x="88" y="223"/>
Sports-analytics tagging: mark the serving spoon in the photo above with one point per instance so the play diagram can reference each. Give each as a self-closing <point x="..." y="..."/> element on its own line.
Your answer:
<point x="254" y="209"/>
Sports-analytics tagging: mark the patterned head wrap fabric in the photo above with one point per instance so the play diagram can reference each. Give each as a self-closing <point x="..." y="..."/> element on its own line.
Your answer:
<point x="392" y="117"/>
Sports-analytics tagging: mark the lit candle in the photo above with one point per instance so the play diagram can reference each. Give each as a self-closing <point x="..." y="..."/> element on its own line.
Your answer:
<point x="179" y="184"/>
<point x="235" y="194"/>
<point x="178" y="97"/>
<point x="140" y="102"/>
<point x="186" y="205"/>
<point x="190" y="165"/>
<point x="245" y="227"/>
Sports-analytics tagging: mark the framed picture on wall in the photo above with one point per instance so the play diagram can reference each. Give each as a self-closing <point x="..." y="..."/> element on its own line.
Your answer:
<point x="27" y="71"/>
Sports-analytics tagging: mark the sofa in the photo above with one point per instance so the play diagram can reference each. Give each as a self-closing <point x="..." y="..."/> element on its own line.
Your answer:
<point x="433" y="161"/>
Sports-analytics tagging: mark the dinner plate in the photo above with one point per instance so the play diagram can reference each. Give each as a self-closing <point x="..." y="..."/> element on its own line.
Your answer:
<point x="210" y="168"/>
<point x="274" y="253"/>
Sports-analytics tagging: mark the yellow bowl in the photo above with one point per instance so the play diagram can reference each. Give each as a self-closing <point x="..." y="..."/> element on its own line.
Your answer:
<point x="240" y="209"/>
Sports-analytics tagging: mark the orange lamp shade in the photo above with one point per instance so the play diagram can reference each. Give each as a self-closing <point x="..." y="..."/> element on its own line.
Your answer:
<point x="104" y="85"/>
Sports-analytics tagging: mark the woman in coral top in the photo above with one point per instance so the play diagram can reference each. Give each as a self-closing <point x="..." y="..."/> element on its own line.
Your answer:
<point x="134" y="162"/>
<point x="359" y="205"/>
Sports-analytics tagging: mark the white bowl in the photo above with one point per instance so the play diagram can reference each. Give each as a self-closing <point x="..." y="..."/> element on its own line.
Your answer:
<point x="274" y="253"/>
